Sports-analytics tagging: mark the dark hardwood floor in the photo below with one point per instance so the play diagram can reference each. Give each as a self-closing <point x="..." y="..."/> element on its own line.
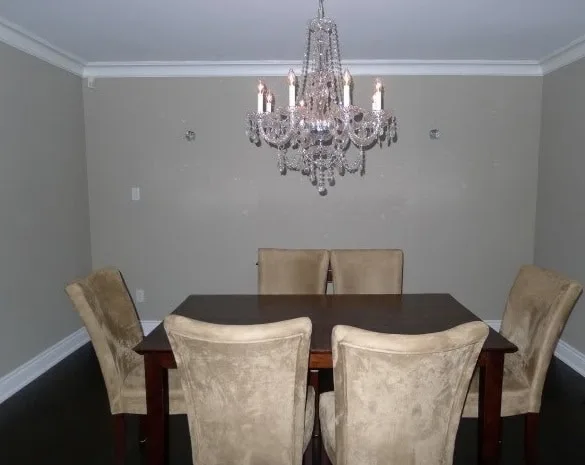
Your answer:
<point x="63" y="418"/>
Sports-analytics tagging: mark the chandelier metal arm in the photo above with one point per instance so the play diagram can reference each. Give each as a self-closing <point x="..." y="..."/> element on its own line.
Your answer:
<point x="276" y="130"/>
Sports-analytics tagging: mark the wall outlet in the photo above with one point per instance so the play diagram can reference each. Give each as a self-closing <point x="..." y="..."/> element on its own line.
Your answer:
<point x="139" y="295"/>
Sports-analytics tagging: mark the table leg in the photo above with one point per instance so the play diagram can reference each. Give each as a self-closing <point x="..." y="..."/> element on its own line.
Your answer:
<point x="316" y="442"/>
<point x="491" y="375"/>
<point x="156" y="418"/>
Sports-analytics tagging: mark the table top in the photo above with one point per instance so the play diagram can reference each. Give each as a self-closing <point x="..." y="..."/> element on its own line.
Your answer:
<point x="385" y="313"/>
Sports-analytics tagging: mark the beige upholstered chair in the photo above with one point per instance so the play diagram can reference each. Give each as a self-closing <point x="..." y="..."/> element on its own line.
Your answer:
<point x="398" y="398"/>
<point x="110" y="318"/>
<point x="246" y="389"/>
<point x="367" y="271"/>
<point x="292" y="271"/>
<point x="539" y="304"/>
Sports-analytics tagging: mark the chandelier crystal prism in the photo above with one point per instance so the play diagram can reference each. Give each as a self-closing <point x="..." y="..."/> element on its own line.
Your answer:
<point x="313" y="134"/>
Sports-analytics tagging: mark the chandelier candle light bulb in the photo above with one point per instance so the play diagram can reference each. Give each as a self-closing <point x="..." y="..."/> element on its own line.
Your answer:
<point x="260" y="97"/>
<point x="291" y="88"/>
<point x="377" y="99"/>
<point x="346" y="93"/>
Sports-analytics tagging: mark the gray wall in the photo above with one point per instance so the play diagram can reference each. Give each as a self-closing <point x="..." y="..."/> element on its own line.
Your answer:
<point x="43" y="202"/>
<point x="462" y="208"/>
<point x="560" y="225"/>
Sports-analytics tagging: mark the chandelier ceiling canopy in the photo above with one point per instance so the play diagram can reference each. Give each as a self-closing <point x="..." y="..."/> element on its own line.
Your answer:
<point x="313" y="133"/>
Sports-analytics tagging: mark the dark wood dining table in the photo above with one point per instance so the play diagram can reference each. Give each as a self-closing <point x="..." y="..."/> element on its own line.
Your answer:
<point x="398" y="314"/>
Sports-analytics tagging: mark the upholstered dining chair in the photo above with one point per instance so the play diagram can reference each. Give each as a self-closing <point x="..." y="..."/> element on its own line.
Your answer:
<point x="539" y="303"/>
<point x="367" y="271"/>
<point x="246" y="389"/>
<point x="108" y="313"/>
<point x="398" y="398"/>
<point x="292" y="271"/>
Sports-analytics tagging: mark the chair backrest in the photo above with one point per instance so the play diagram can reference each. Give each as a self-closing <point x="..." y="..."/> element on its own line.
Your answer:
<point x="292" y="271"/>
<point x="245" y="388"/>
<point x="367" y="271"/>
<point x="109" y="315"/>
<point x="538" y="306"/>
<point x="399" y="398"/>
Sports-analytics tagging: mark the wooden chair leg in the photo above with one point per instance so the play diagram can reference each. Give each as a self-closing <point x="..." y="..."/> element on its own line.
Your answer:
<point x="142" y="429"/>
<point x="119" y="439"/>
<point x="324" y="457"/>
<point x="531" y="438"/>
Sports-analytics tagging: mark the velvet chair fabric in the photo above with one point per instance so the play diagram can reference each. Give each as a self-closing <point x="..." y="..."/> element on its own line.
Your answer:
<point x="107" y="311"/>
<point x="292" y="271"/>
<point x="538" y="306"/>
<point x="398" y="398"/>
<point x="367" y="271"/>
<point x="246" y="390"/>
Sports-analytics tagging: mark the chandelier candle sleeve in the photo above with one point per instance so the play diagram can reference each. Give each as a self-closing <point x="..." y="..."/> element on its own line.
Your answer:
<point x="291" y="89"/>
<point x="260" y="97"/>
<point x="269" y="102"/>
<point x="377" y="100"/>
<point x="346" y="93"/>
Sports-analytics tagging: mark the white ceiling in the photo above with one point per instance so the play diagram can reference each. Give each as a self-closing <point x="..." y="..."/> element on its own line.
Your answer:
<point x="222" y="30"/>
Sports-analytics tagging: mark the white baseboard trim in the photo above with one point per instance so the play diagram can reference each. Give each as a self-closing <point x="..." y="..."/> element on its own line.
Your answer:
<point x="149" y="325"/>
<point x="14" y="381"/>
<point x="571" y="357"/>
<point x="566" y="353"/>
<point x="494" y="324"/>
<point x="17" y="379"/>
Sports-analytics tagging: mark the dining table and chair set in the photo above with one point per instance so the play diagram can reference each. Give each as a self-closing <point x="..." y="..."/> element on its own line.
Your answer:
<point x="250" y="371"/>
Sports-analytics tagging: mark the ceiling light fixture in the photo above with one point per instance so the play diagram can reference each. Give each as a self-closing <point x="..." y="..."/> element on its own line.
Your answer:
<point x="314" y="132"/>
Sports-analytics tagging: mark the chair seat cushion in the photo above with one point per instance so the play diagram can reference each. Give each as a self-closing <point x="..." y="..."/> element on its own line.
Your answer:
<point x="327" y="421"/>
<point x="515" y="390"/>
<point x="134" y="393"/>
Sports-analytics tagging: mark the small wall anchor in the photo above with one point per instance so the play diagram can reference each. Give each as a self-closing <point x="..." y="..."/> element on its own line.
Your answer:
<point x="190" y="136"/>
<point x="434" y="134"/>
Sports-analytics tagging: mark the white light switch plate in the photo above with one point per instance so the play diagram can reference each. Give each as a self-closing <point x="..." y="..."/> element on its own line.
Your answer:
<point x="136" y="193"/>
<point x="139" y="295"/>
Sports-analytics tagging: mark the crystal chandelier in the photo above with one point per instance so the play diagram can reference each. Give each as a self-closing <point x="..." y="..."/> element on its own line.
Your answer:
<point x="314" y="132"/>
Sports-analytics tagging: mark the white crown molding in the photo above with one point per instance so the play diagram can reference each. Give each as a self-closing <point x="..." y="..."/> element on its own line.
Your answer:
<point x="17" y="379"/>
<point x="563" y="56"/>
<point x="27" y="42"/>
<point x="280" y="68"/>
<point x="118" y="69"/>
